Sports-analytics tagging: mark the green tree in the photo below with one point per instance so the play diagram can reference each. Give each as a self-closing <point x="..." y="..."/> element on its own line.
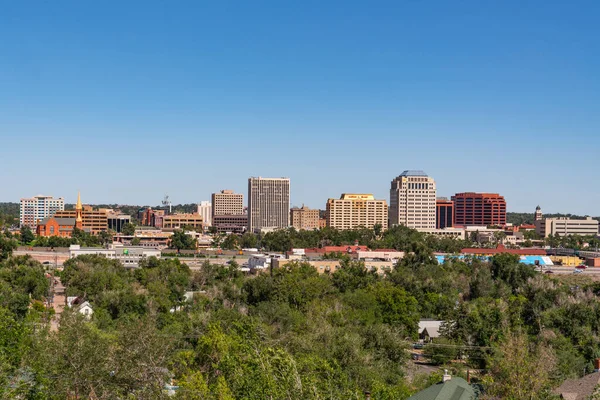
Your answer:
<point x="26" y="235"/>
<point x="106" y="237"/>
<point x="249" y="241"/>
<point x="128" y="229"/>
<point x="181" y="241"/>
<point x="135" y="241"/>
<point x="7" y="245"/>
<point x="231" y="242"/>
<point x="521" y="369"/>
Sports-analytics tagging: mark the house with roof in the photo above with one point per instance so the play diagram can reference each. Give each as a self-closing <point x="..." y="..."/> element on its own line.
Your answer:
<point x="579" y="389"/>
<point x="450" y="388"/>
<point x="85" y="309"/>
<point x="429" y="329"/>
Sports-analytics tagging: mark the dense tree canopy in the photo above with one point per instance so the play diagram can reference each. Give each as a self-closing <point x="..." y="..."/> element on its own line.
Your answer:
<point x="292" y="333"/>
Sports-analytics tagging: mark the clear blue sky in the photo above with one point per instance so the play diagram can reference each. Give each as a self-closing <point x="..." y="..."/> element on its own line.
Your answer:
<point x="126" y="101"/>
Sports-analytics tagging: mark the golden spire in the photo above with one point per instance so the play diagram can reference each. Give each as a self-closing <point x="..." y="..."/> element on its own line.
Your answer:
<point x="78" y="211"/>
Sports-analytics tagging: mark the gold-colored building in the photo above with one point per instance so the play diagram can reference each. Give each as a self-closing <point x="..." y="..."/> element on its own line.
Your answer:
<point x="87" y="219"/>
<point x="180" y="221"/>
<point x="304" y="218"/>
<point x="357" y="210"/>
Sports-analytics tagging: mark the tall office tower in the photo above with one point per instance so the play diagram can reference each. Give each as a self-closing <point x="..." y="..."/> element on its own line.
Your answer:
<point x="479" y="209"/>
<point x="268" y="203"/>
<point x="226" y="202"/>
<point x="38" y="208"/>
<point x="205" y="210"/>
<point x="357" y="210"/>
<point x="538" y="216"/>
<point x="412" y="200"/>
<point x="444" y="213"/>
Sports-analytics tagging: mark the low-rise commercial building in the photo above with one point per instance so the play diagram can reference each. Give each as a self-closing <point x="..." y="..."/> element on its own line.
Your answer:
<point x="230" y="223"/>
<point x="381" y="254"/>
<point x="456" y="233"/>
<point x="330" y="266"/>
<point x="351" y="211"/>
<point x="129" y="256"/>
<point x="566" y="226"/>
<point x="182" y="221"/>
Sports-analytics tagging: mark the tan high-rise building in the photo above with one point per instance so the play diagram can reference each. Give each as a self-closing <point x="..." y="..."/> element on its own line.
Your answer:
<point x="226" y="202"/>
<point x="304" y="218"/>
<point x="268" y="203"/>
<point x="351" y="211"/>
<point x="412" y="200"/>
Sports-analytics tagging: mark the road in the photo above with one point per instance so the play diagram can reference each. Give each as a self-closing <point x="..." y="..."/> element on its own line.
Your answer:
<point x="570" y="270"/>
<point x="59" y="303"/>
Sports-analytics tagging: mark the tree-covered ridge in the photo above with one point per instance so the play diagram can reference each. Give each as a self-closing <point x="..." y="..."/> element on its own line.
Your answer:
<point x="516" y="218"/>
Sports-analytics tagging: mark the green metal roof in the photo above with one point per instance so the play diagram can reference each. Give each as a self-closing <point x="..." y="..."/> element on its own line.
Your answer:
<point x="454" y="389"/>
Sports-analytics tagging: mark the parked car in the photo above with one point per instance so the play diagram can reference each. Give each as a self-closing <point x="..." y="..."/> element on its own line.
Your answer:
<point x="549" y="272"/>
<point x="578" y="271"/>
<point x="582" y="266"/>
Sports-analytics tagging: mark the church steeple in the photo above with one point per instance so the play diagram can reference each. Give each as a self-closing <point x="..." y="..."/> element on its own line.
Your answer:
<point x="78" y="212"/>
<point x="78" y="206"/>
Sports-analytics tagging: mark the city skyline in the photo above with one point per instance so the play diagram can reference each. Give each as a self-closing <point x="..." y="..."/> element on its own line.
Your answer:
<point x="188" y="99"/>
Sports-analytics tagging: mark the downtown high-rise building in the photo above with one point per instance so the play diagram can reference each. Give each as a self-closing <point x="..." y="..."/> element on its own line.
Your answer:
<point x="205" y="210"/>
<point x="413" y="200"/>
<point x="37" y="208"/>
<point x="353" y="211"/>
<point x="227" y="202"/>
<point x="479" y="209"/>
<point x="268" y="203"/>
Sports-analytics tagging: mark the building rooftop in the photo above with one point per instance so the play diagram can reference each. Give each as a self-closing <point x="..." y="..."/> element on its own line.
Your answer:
<point x="357" y="196"/>
<point x="453" y="389"/>
<point x="502" y="249"/>
<point x="413" y="172"/>
<point x="579" y="389"/>
<point x="59" y="221"/>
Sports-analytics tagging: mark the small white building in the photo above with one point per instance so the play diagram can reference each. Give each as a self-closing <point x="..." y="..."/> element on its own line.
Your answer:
<point x="129" y="256"/>
<point x="85" y="309"/>
<point x="380" y="255"/>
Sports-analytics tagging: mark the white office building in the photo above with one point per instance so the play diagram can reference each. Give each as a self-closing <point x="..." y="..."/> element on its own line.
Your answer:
<point x="129" y="256"/>
<point x="412" y="200"/>
<point x="205" y="210"/>
<point x="566" y="226"/>
<point x="38" y="208"/>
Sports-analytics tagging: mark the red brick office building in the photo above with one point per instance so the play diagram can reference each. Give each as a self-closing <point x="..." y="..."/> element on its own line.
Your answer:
<point x="479" y="209"/>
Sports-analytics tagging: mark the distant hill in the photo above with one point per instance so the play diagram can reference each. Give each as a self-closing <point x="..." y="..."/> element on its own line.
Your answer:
<point x="527" y="218"/>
